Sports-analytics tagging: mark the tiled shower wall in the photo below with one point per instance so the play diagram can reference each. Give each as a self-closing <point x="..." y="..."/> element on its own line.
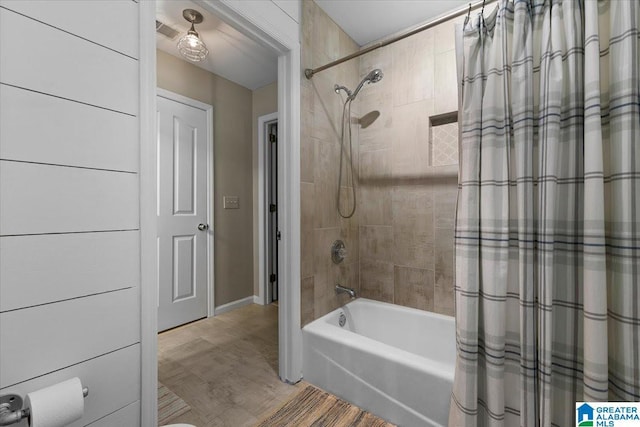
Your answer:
<point x="321" y="112"/>
<point x="400" y="241"/>
<point x="407" y="204"/>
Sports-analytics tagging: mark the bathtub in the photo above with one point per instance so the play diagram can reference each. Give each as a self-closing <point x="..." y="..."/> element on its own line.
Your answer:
<point x="392" y="361"/>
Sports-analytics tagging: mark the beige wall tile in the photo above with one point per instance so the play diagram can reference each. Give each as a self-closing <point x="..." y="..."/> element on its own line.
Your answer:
<point x="350" y="277"/>
<point x="375" y="205"/>
<point x="306" y="301"/>
<point x="307" y="101"/>
<point x="327" y="274"/>
<point x="378" y="96"/>
<point x="327" y="112"/>
<point x="445" y="196"/>
<point x="403" y="197"/>
<point x="379" y="135"/>
<point x="444" y="272"/>
<point x="326" y="184"/>
<point x="376" y="243"/>
<point x="391" y="240"/>
<point x="307" y="222"/>
<point x="413" y="287"/>
<point x="306" y="29"/>
<point x="323" y="240"/>
<point x="347" y="275"/>
<point x="444" y="302"/>
<point x="411" y="139"/>
<point x="444" y="36"/>
<point x="349" y="234"/>
<point x="376" y="280"/>
<point x="413" y="69"/>
<point x="446" y="88"/>
<point x="320" y="299"/>
<point x="326" y="39"/>
<point x="413" y="235"/>
<point x="321" y="121"/>
<point x="308" y="147"/>
<point x="380" y="58"/>
<point x="375" y="183"/>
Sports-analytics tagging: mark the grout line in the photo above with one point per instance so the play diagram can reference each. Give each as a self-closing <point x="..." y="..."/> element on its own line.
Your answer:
<point x="69" y="232"/>
<point x="69" y="32"/>
<point x="67" y="99"/>
<point x="72" y="365"/>
<point x="67" y="166"/>
<point x="67" y="299"/>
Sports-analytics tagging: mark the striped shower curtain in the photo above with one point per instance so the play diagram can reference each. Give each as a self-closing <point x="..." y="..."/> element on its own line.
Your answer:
<point x="548" y="219"/>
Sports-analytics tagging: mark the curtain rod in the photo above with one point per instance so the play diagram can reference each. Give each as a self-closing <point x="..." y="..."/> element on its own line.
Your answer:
<point x="458" y="12"/>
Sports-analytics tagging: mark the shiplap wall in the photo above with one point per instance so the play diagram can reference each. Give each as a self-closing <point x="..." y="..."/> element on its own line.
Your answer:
<point x="69" y="202"/>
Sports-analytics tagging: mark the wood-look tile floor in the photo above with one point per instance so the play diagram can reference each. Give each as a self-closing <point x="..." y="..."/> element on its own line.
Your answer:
<point x="225" y="367"/>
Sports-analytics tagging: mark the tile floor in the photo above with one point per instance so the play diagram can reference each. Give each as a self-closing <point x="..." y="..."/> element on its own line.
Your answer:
<point x="225" y="367"/>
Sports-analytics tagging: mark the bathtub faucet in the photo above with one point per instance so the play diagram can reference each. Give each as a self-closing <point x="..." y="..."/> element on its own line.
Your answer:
<point x="344" y="290"/>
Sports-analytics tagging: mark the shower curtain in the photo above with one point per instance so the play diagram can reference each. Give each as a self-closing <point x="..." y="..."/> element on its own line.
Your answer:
<point x="547" y="228"/>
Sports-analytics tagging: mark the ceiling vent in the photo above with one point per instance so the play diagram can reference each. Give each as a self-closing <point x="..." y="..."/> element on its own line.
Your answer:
<point x="166" y="30"/>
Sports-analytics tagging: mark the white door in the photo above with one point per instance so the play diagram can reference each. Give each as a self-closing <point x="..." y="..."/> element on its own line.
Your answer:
<point x="183" y="227"/>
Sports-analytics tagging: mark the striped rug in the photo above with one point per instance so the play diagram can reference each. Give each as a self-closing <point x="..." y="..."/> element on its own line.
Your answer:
<point x="170" y="405"/>
<point x="314" y="407"/>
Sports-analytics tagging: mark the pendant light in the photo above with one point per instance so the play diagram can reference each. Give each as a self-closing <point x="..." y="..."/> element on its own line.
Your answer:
<point x="190" y="46"/>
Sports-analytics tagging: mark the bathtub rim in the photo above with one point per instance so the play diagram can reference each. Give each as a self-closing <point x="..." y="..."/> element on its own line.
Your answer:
<point x="324" y="329"/>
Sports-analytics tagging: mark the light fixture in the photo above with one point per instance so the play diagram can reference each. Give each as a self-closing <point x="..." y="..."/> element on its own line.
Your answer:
<point x="190" y="46"/>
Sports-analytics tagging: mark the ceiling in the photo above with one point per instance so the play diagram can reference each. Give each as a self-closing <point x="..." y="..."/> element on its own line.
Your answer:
<point x="232" y="55"/>
<point x="242" y="60"/>
<point x="366" y="21"/>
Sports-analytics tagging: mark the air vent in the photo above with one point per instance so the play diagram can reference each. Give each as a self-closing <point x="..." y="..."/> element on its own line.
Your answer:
<point x="166" y="30"/>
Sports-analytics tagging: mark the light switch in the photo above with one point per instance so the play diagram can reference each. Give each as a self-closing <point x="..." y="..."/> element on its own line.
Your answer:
<point x="231" y="202"/>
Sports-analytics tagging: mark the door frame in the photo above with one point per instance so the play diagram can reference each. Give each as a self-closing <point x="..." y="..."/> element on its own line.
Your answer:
<point x="256" y="20"/>
<point x="208" y="109"/>
<point x="263" y="211"/>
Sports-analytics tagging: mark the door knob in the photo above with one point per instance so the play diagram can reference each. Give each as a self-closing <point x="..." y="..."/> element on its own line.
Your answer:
<point x="203" y="227"/>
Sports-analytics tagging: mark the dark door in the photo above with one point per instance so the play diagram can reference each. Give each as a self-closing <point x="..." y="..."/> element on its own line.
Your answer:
<point x="272" y="131"/>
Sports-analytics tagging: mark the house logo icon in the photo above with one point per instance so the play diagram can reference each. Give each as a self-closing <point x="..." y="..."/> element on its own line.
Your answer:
<point x="585" y="416"/>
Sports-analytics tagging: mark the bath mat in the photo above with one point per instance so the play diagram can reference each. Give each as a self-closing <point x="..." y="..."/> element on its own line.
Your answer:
<point x="170" y="405"/>
<point x="314" y="407"/>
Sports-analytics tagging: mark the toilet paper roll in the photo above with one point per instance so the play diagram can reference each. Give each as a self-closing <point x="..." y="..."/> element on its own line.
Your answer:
<point x="56" y="406"/>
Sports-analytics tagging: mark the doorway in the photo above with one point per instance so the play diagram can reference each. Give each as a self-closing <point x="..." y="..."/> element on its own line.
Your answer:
<point x="274" y="233"/>
<point x="185" y="249"/>
<point x="268" y="232"/>
<point x="255" y="19"/>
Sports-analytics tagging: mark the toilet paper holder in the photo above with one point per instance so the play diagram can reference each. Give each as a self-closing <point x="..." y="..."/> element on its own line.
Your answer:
<point x="11" y="411"/>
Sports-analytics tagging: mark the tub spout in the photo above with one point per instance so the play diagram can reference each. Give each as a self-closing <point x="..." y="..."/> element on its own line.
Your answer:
<point x="344" y="290"/>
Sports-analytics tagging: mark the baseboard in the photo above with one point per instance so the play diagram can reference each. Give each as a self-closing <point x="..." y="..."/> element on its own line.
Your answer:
<point x="233" y="305"/>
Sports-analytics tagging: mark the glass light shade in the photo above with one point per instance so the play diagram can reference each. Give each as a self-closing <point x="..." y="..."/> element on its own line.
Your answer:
<point x="191" y="47"/>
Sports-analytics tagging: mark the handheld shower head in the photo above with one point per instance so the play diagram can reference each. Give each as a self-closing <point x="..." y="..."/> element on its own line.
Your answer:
<point x="373" y="77"/>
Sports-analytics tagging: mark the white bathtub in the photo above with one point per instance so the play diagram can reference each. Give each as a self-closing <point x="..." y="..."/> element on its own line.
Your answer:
<point x="392" y="361"/>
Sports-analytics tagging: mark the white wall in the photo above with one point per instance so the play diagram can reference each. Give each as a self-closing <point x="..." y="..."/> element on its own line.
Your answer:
<point x="69" y="202"/>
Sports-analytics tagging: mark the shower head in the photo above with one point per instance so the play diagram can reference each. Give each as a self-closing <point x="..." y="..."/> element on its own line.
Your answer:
<point x="373" y="77"/>
<point x="368" y="119"/>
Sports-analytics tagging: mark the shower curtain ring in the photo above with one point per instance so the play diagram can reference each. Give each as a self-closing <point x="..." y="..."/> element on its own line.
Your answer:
<point x="466" y="20"/>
